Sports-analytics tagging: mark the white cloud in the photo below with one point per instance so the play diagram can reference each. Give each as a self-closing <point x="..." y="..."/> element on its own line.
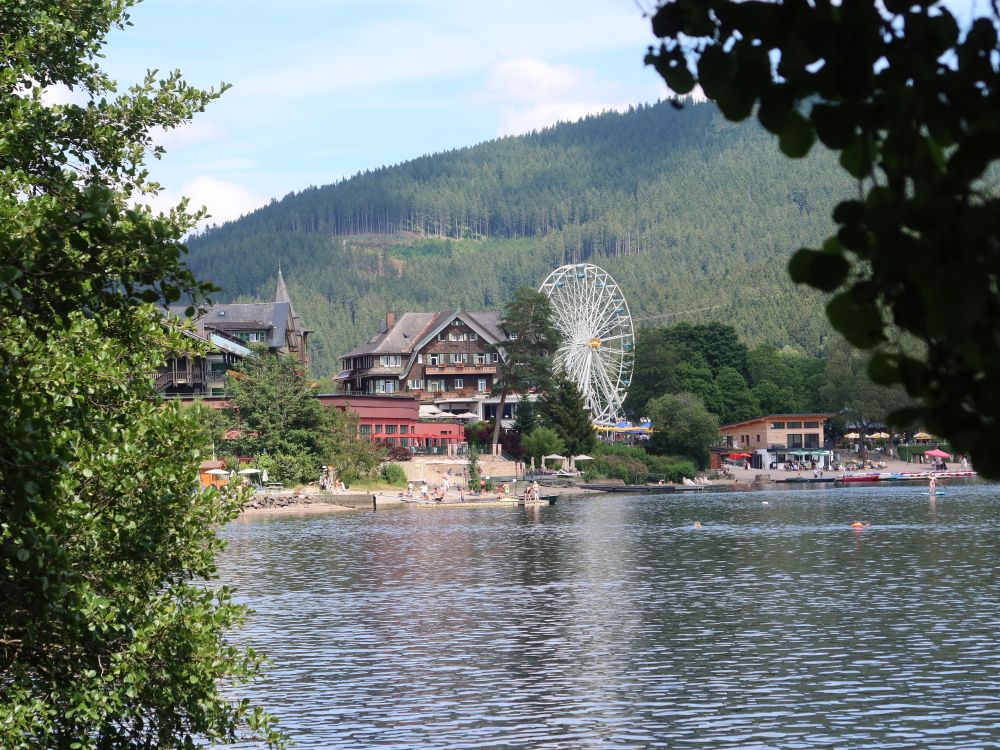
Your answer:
<point x="224" y="200"/>
<point x="533" y="94"/>
<point x="445" y="39"/>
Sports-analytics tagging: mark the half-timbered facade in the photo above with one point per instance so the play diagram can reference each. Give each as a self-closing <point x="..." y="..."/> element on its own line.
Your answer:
<point x="444" y="355"/>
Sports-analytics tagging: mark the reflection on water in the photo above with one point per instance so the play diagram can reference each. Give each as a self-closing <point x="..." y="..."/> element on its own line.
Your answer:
<point x="611" y="622"/>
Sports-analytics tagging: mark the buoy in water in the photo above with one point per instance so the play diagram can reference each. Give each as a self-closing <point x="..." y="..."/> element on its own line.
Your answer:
<point x="764" y="503"/>
<point x="860" y="525"/>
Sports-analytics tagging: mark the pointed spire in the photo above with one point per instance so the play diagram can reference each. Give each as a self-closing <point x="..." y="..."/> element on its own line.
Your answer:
<point x="280" y="291"/>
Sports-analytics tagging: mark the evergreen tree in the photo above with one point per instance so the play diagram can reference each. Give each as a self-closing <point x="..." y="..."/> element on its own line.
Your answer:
<point x="526" y="418"/>
<point x="565" y="411"/>
<point x="533" y="342"/>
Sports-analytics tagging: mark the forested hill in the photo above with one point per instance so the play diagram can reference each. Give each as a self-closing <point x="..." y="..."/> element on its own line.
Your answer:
<point x="685" y="209"/>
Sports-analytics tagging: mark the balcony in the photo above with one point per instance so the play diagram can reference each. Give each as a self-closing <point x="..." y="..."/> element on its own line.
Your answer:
<point x="463" y="369"/>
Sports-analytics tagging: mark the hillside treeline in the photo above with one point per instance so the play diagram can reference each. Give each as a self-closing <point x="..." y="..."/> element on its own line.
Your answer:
<point x="693" y="215"/>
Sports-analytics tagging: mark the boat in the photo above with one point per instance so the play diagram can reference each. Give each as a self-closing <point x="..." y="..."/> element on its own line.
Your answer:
<point x="542" y="500"/>
<point x="869" y="477"/>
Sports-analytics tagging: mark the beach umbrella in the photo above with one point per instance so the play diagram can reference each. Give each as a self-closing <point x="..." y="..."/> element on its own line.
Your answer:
<point x="249" y="471"/>
<point x="218" y="472"/>
<point x="936" y="453"/>
<point x="852" y="436"/>
<point x="921" y="436"/>
<point x="583" y="457"/>
<point x="879" y="436"/>
<point x="553" y="457"/>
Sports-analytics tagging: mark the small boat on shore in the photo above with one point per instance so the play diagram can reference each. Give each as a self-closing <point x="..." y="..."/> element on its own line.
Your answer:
<point x="867" y="477"/>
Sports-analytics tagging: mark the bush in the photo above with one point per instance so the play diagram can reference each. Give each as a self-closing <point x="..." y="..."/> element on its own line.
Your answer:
<point x="393" y="474"/>
<point x="398" y="453"/>
<point x="631" y="463"/>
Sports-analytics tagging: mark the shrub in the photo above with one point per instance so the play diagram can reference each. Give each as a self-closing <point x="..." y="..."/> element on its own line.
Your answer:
<point x="393" y="474"/>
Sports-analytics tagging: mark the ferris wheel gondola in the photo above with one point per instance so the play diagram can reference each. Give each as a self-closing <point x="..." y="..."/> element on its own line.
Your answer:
<point x="597" y="353"/>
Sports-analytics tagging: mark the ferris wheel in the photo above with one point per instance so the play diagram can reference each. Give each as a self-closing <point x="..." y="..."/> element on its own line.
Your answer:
<point x="597" y="352"/>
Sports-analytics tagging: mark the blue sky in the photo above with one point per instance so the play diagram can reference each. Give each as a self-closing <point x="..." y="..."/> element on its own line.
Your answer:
<point x="323" y="89"/>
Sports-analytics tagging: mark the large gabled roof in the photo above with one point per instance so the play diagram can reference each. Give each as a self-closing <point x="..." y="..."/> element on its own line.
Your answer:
<point x="400" y="338"/>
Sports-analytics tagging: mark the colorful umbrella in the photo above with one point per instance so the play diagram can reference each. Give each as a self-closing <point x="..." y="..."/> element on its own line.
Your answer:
<point x="852" y="436"/>
<point x="935" y="453"/>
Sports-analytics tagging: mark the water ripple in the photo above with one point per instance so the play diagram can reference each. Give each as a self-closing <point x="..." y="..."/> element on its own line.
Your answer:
<point x="611" y="622"/>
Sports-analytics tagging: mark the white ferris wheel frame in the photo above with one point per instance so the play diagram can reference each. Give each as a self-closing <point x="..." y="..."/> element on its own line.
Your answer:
<point x="598" y="349"/>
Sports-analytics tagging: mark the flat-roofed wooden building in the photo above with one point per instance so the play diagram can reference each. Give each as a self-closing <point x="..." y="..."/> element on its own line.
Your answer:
<point x="792" y="431"/>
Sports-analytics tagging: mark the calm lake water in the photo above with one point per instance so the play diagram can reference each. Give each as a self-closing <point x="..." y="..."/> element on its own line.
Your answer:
<point x="610" y="622"/>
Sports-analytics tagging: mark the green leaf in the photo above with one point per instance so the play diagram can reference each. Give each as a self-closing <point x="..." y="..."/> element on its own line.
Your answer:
<point x="834" y="126"/>
<point x="821" y="270"/>
<point x="856" y="158"/>
<point x="861" y="324"/>
<point x="715" y="71"/>
<point x="796" y="137"/>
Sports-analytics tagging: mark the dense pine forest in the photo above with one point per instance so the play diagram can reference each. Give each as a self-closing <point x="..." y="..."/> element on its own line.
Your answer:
<point x="693" y="215"/>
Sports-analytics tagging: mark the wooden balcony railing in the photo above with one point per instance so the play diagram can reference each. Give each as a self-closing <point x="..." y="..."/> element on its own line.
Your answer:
<point x="464" y="369"/>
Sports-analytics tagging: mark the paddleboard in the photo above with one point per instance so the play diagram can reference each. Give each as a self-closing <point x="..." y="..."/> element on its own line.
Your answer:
<point x="935" y="494"/>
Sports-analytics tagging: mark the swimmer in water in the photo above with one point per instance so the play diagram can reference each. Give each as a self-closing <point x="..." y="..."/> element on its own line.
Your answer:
<point x="697" y="524"/>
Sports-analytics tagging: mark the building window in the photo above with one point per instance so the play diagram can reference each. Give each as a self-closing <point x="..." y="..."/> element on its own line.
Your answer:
<point x="416" y="385"/>
<point x="794" y="425"/>
<point x="459" y="383"/>
<point x="758" y="438"/>
<point x="420" y="359"/>
<point x="390" y="360"/>
<point x="794" y="440"/>
<point x="390" y="429"/>
<point x="482" y="385"/>
<point x="435" y="386"/>
<point x="252" y="337"/>
<point x="385" y="386"/>
<point x="378" y="428"/>
<point x="810" y="425"/>
<point x="434" y="359"/>
<point x="777" y="425"/>
<point x="811" y="440"/>
<point x="458" y="358"/>
<point x="365" y="429"/>
<point x="403" y="429"/>
<point x="496" y="356"/>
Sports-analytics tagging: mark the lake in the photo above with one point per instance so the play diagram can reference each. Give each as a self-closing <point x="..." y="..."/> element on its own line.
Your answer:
<point x="611" y="622"/>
